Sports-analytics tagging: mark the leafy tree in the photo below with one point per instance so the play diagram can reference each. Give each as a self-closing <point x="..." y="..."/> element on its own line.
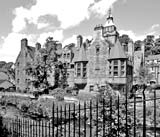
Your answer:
<point x="124" y="39"/>
<point x="137" y="45"/>
<point x="149" y="44"/>
<point x="144" y="76"/>
<point x="45" y="65"/>
<point x="7" y="68"/>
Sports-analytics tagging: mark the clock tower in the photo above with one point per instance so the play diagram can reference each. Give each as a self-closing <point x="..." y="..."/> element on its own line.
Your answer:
<point x="109" y="30"/>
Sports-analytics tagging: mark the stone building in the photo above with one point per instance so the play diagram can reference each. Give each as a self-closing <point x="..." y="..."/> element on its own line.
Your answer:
<point x="88" y="63"/>
<point x="25" y="57"/>
<point x="101" y="60"/>
<point x="152" y="62"/>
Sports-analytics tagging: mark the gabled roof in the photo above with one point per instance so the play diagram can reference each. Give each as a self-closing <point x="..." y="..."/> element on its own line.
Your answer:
<point x="81" y="55"/>
<point x="31" y="51"/>
<point x="117" y="51"/>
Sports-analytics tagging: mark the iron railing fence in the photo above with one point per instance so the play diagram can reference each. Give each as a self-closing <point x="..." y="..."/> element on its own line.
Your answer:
<point x="105" y="118"/>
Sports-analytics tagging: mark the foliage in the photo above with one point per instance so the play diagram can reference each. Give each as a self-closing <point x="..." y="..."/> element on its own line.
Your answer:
<point x="58" y="93"/>
<point x="23" y="106"/>
<point x="3" y="131"/>
<point x="7" y="68"/>
<point x="137" y="45"/>
<point x="46" y="64"/>
<point x="144" y="76"/>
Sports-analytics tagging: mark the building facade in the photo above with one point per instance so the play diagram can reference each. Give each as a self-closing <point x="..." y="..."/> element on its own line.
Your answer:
<point x="88" y="63"/>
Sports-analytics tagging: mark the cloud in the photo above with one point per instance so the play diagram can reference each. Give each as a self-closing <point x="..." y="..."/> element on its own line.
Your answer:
<point x="132" y="35"/>
<point x="42" y="25"/>
<point x="101" y="7"/>
<point x="57" y="35"/>
<point x="73" y="39"/>
<point x="19" y="22"/>
<point x="11" y="46"/>
<point x="68" y="12"/>
<point x="154" y="26"/>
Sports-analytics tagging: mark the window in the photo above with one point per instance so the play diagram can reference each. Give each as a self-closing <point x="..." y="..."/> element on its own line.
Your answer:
<point x="78" y="69"/>
<point x="17" y="80"/>
<point x="17" y="64"/>
<point x="64" y="64"/>
<point x="17" y="72"/>
<point x="26" y="80"/>
<point x="122" y="68"/>
<point x="64" y="55"/>
<point x="115" y="62"/>
<point x="68" y="65"/>
<point x="91" y="88"/>
<point x="84" y="70"/>
<point x="68" y="55"/>
<point x="97" y="50"/>
<point x="115" y="68"/>
<point x="72" y="66"/>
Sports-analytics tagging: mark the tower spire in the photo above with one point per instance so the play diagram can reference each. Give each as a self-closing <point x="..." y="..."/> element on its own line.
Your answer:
<point x="109" y="20"/>
<point x="109" y="14"/>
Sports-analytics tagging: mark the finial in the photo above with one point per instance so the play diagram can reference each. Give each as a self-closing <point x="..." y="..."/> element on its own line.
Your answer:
<point x="109" y="12"/>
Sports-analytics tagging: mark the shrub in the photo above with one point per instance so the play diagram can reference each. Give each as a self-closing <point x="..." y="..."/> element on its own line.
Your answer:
<point x="58" y="93"/>
<point x="3" y="131"/>
<point x="23" y="106"/>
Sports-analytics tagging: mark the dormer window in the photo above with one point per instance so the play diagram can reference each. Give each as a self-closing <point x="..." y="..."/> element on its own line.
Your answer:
<point x="97" y="50"/>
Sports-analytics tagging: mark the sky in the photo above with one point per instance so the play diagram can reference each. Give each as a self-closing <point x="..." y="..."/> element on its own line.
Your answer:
<point x="65" y="19"/>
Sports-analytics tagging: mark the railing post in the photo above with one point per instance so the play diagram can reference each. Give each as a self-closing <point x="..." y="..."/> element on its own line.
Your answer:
<point x="118" y="115"/>
<point x="126" y="112"/>
<point x="135" y="114"/>
<point x="79" y="120"/>
<point x="110" y="116"/>
<point x="53" y="120"/>
<point x="84" y="119"/>
<point x="144" y="111"/>
<point x="57" y="124"/>
<point x="97" y="118"/>
<point x="69" y="120"/>
<point x="103" y="113"/>
<point x="65" y="120"/>
<point x="154" y="113"/>
<point x="90" y="118"/>
<point x="61" y="122"/>
<point x="74" y="120"/>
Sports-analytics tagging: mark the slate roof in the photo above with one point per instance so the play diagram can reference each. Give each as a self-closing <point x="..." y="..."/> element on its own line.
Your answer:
<point x="80" y="54"/>
<point x="117" y="51"/>
<point x="31" y="51"/>
<point x="1" y="81"/>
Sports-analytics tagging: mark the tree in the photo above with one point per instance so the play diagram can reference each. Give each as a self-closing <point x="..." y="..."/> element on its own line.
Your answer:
<point x="137" y="45"/>
<point x="144" y="76"/>
<point x="124" y="39"/>
<point x="45" y="65"/>
<point x="149" y="44"/>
